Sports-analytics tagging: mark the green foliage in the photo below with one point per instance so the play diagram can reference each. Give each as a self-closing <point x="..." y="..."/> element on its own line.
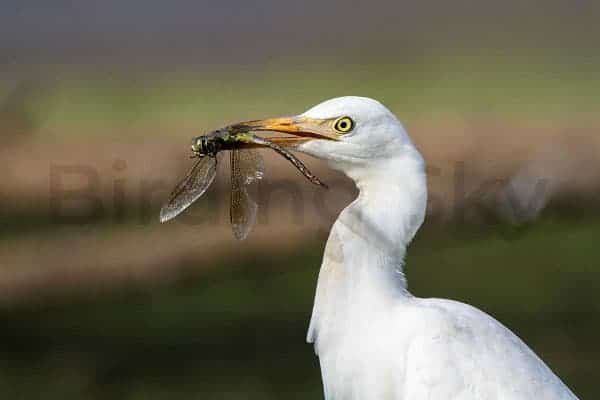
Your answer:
<point x="238" y="332"/>
<point x="545" y="88"/>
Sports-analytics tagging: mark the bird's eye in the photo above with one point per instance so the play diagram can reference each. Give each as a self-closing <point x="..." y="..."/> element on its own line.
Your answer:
<point x="343" y="124"/>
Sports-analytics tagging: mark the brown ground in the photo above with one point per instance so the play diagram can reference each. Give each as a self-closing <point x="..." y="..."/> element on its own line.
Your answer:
<point x="124" y="244"/>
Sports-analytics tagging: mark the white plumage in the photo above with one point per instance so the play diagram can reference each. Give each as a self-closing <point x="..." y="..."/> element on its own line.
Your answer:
<point x="373" y="338"/>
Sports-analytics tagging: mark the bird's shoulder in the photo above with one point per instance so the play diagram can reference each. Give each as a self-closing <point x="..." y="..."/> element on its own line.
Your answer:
<point x="453" y="325"/>
<point x="458" y="348"/>
<point x="454" y="319"/>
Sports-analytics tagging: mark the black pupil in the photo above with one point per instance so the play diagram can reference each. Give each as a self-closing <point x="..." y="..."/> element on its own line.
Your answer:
<point x="343" y="124"/>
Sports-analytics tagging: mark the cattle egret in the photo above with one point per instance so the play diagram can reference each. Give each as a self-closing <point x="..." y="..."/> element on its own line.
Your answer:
<point x="373" y="338"/>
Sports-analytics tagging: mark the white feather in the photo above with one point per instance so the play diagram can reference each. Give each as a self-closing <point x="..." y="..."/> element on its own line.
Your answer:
<point x="373" y="338"/>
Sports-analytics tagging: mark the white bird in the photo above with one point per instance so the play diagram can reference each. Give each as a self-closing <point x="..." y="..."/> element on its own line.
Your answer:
<point x="373" y="338"/>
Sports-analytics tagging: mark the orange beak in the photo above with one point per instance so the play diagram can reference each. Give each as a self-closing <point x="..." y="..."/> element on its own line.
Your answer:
<point x="300" y="129"/>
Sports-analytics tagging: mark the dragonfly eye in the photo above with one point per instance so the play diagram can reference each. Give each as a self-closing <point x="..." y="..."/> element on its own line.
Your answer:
<point x="197" y="145"/>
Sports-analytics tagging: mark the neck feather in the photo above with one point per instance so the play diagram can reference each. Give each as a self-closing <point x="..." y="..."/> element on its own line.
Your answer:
<point x="362" y="266"/>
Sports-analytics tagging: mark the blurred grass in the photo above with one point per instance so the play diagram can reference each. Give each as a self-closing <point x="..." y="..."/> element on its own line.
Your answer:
<point x="238" y="331"/>
<point x="546" y="89"/>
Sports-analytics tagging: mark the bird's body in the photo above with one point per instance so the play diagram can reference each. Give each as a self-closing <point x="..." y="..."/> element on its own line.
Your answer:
<point x="435" y="349"/>
<point x="373" y="338"/>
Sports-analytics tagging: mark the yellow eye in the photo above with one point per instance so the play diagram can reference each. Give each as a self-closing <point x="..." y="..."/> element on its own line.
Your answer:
<point x="343" y="124"/>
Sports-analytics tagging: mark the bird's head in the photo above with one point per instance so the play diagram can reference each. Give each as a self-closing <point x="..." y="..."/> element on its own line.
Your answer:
<point x="354" y="134"/>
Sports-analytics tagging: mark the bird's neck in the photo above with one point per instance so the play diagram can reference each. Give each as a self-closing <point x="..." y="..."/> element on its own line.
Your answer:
<point x="377" y="227"/>
<point x="362" y="268"/>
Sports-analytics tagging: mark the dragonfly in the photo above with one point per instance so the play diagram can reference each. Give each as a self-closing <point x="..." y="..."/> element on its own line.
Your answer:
<point x="247" y="168"/>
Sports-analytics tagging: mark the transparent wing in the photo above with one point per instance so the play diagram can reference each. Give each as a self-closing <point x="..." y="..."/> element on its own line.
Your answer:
<point x="291" y="158"/>
<point x="190" y="188"/>
<point x="247" y="167"/>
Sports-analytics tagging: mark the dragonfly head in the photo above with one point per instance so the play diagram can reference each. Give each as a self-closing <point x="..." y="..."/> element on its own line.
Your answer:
<point x="197" y="145"/>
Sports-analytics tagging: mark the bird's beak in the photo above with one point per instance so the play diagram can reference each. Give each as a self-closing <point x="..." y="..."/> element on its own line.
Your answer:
<point x="300" y="129"/>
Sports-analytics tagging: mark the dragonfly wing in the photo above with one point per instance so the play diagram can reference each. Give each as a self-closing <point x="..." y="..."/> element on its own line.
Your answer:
<point x="291" y="158"/>
<point x="190" y="188"/>
<point x="247" y="167"/>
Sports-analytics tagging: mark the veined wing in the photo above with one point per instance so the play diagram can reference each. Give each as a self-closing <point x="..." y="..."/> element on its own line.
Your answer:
<point x="190" y="188"/>
<point x="247" y="167"/>
<point x="291" y="158"/>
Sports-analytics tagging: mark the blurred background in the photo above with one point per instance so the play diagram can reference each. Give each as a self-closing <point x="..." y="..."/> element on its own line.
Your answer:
<point x="99" y="101"/>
